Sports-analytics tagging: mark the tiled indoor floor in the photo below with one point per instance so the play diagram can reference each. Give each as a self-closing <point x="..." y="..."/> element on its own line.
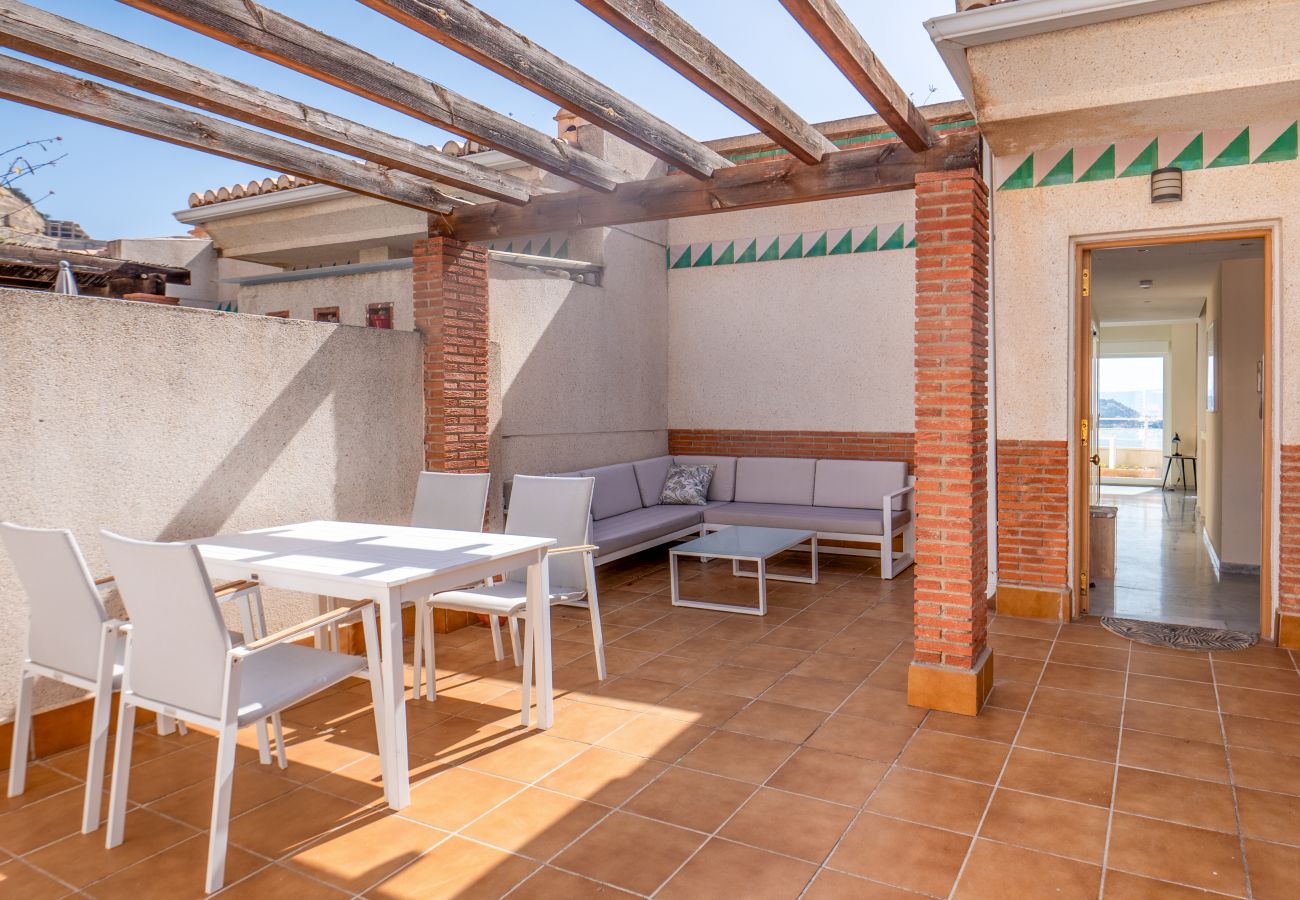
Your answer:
<point x="730" y="756"/>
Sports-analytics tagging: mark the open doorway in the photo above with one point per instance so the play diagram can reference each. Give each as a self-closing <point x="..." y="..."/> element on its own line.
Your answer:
<point x="1177" y="409"/>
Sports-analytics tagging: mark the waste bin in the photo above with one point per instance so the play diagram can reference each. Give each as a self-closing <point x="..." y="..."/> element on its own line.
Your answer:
<point x="1101" y="538"/>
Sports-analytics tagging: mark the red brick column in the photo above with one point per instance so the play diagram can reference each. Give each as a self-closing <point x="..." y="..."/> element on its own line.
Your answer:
<point x="1033" y="494"/>
<point x="450" y="286"/>
<point x="952" y="667"/>
<point x="450" y="296"/>
<point x="1288" y="600"/>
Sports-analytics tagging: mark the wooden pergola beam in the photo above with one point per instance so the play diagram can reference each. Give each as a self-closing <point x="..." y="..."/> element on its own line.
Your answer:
<point x="887" y="166"/>
<point x="474" y="34"/>
<point x="270" y="35"/>
<point x="839" y="39"/>
<point x="675" y="42"/>
<point x="34" y="85"/>
<point x="39" y="33"/>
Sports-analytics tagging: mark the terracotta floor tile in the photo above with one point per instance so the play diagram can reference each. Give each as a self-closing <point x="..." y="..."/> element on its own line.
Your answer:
<point x="1270" y="817"/>
<point x="807" y="639"/>
<point x="835" y="667"/>
<point x="767" y="656"/>
<point x="675" y="670"/>
<point x="42" y="782"/>
<point x="603" y="854"/>
<point x="1021" y="647"/>
<point x="536" y="823"/>
<point x="700" y="707"/>
<point x="776" y="721"/>
<point x="452" y="799"/>
<point x="1070" y="737"/>
<point x="1014" y="668"/>
<point x="1172" y="852"/>
<point x="145" y="746"/>
<point x="1188" y="669"/>
<point x="738" y="680"/>
<point x="365" y="852"/>
<point x="721" y="865"/>
<point x="602" y="776"/>
<point x="291" y="821"/>
<point x="960" y="757"/>
<point x="991" y="724"/>
<point x="254" y="785"/>
<point x="1011" y="695"/>
<point x="17" y="879"/>
<point x="871" y="702"/>
<point x="710" y="649"/>
<point x="690" y="799"/>
<point x="459" y="869"/>
<point x="1083" y="678"/>
<point x="277" y="881"/>
<point x="902" y="854"/>
<point x="1257" y="677"/>
<point x="1274" y="870"/>
<point x="1053" y="826"/>
<point x="549" y="884"/>
<point x="791" y="824"/>
<point x="1091" y="633"/>
<point x="829" y="776"/>
<point x="809" y="693"/>
<point x="1035" y="628"/>
<point x="1261" y="734"/>
<point x="1063" y="777"/>
<point x="930" y="799"/>
<point x="1097" y="709"/>
<point x="822" y="619"/>
<point x="739" y="756"/>
<point x="998" y="871"/>
<point x="1191" y="724"/>
<point x="82" y="859"/>
<point x="1265" y="771"/>
<point x="1203" y="804"/>
<point x="1123" y="886"/>
<point x="655" y="737"/>
<point x="832" y="885"/>
<point x="1194" y="758"/>
<point x="631" y="692"/>
<point x="1258" y="655"/>
<point x="526" y="758"/>
<point x="44" y="822"/>
<point x="1239" y="701"/>
<point x="587" y="722"/>
<point x="1096" y="657"/>
<point x="865" y="738"/>
<point x="1172" y="691"/>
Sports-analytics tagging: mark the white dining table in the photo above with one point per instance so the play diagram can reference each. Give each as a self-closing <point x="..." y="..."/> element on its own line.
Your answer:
<point x="392" y="565"/>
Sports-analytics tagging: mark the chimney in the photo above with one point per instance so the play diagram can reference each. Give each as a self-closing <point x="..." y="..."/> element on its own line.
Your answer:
<point x="567" y="125"/>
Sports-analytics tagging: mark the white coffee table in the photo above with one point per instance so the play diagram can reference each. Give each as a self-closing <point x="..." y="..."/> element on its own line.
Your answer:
<point x="743" y="543"/>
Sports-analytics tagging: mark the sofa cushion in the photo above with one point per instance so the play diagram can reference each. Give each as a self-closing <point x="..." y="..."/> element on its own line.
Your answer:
<point x="767" y="479"/>
<point x="650" y="477"/>
<point x="643" y="524"/>
<point x="858" y="483"/>
<point x="687" y="486"/>
<point x="811" y="518"/>
<point x="723" y="486"/>
<point x="616" y="490"/>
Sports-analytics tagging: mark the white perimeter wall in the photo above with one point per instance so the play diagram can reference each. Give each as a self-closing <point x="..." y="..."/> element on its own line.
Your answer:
<point x="822" y="344"/>
<point x="166" y="423"/>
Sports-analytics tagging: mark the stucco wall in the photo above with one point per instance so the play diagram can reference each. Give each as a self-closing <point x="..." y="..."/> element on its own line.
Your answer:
<point x="580" y="372"/>
<point x="822" y="343"/>
<point x="350" y="293"/>
<point x="166" y="423"/>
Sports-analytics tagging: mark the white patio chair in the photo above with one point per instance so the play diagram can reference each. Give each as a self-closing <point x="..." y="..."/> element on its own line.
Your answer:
<point x="70" y="638"/>
<point x="558" y="508"/>
<point x="452" y="501"/>
<point x="180" y="662"/>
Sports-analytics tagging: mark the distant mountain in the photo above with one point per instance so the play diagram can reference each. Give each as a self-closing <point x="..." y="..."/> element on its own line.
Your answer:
<point x="1108" y="408"/>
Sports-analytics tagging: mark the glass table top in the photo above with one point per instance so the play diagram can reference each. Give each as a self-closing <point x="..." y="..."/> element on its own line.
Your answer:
<point x="746" y="541"/>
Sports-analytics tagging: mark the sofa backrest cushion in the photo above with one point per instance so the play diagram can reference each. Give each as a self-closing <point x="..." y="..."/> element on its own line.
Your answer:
<point x="616" y="490"/>
<point x="858" y="483"/>
<point x="650" y="477"/>
<point x="768" y="479"/>
<point x="723" y="486"/>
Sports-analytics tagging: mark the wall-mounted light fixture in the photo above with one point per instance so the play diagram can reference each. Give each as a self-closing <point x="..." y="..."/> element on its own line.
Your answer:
<point x="1167" y="185"/>
<point x="1146" y="284"/>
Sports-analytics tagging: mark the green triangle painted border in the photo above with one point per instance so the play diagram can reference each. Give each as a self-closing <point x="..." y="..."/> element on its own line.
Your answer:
<point x="1101" y="170"/>
<point x="1284" y="148"/>
<point x="795" y="250"/>
<point x="818" y="248"/>
<point x="1237" y="153"/>
<point x="1062" y="172"/>
<point x="705" y="258"/>
<point x="772" y="252"/>
<point x="727" y="256"/>
<point x="1192" y="156"/>
<point x="1145" y="162"/>
<point x="1022" y="177"/>
<point x="684" y="261"/>
<point x="750" y="253"/>
<point x="843" y="245"/>
<point x="869" y="243"/>
<point x="895" y="240"/>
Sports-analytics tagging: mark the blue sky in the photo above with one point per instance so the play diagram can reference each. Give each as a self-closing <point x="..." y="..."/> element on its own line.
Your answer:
<point x="117" y="184"/>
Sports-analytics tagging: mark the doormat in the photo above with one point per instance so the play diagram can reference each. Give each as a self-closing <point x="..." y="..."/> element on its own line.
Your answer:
<point x="1179" y="637"/>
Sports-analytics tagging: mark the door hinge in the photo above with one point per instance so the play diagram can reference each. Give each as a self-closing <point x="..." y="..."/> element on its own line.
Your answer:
<point x="1087" y="281"/>
<point x="1083" y="432"/>
<point x="1083" y="582"/>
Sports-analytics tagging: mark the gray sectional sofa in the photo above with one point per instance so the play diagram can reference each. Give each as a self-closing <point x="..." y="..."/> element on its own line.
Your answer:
<point x="842" y="500"/>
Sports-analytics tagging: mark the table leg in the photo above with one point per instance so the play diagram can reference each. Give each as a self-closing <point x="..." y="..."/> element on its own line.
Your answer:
<point x="762" y="586"/>
<point x="1169" y="465"/>
<point x="1196" y="479"/>
<point x="393" y="758"/>
<point x="539" y="631"/>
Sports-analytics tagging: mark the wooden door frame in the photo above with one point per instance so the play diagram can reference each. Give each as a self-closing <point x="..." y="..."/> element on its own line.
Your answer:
<point x="1081" y="409"/>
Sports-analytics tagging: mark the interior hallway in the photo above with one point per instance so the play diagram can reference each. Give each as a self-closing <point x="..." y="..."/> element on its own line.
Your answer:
<point x="1163" y="571"/>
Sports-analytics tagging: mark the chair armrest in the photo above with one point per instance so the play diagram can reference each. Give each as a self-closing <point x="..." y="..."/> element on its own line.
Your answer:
<point x="579" y="548"/>
<point x="108" y="581"/>
<point x="347" y="610"/>
<point x="887" y="502"/>
<point x="231" y="589"/>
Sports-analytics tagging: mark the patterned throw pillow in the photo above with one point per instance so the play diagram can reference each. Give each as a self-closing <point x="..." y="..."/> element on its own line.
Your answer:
<point x="687" y="485"/>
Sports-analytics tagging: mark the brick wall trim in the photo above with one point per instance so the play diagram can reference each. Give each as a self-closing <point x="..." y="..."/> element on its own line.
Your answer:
<point x="894" y="446"/>
<point x="1034" y="513"/>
